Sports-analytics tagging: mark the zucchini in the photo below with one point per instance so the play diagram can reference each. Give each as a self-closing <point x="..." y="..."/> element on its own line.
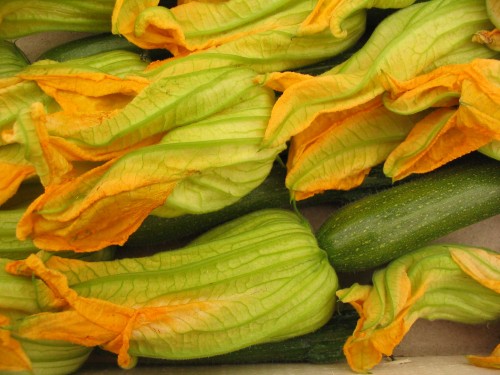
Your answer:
<point x="96" y="44"/>
<point x="157" y="231"/>
<point x="384" y="226"/>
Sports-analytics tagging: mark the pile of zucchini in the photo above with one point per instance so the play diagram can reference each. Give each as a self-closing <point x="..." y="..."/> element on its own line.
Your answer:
<point x="370" y="226"/>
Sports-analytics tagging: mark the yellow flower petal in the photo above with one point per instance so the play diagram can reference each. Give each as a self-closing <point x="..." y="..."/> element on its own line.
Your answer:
<point x="332" y="13"/>
<point x="90" y="91"/>
<point x="30" y="131"/>
<point x="490" y="361"/>
<point x="447" y="133"/>
<point x="491" y="39"/>
<point x="426" y="283"/>
<point x="12" y="177"/>
<point x="13" y="357"/>
<point x="484" y="268"/>
<point x="87" y="322"/>
<point x="341" y="148"/>
<point x="94" y="218"/>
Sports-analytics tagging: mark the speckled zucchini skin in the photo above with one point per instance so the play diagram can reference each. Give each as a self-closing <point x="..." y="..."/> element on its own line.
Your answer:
<point x="381" y="227"/>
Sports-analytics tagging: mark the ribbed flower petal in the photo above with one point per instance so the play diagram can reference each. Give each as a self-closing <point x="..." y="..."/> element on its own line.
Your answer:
<point x="331" y="14"/>
<point x="210" y="158"/>
<point x="425" y="284"/>
<point x="263" y="270"/>
<point x="13" y="357"/>
<point x="359" y="79"/>
<point x="449" y="132"/>
<point x="338" y="155"/>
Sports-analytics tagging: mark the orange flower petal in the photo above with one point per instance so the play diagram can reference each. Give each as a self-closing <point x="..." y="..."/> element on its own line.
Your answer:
<point x="426" y="283"/>
<point x="482" y="266"/>
<point x="491" y="39"/>
<point x="12" y="177"/>
<point x="94" y="217"/>
<point x="341" y="148"/>
<point x="332" y="13"/>
<point x="490" y="361"/>
<point x="447" y="133"/>
<point x="13" y="357"/>
<point x="88" y="91"/>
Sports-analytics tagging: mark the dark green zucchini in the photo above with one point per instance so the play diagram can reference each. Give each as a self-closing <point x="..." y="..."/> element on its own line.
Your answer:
<point x="156" y="231"/>
<point x="381" y="227"/>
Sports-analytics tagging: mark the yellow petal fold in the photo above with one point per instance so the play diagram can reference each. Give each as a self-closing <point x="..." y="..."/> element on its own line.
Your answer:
<point x="330" y="14"/>
<point x="340" y="153"/>
<point x="490" y="38"/>
<point x="31" y="132"/>
<point x="12" y="177"/>
<point x="90" y="91"/>
<point x="13" y="357"/>
<point x="491" y="361"/>
<point x="427" y="283"/>
<point x="469" y="117"/>
<point x="485" y="269"/>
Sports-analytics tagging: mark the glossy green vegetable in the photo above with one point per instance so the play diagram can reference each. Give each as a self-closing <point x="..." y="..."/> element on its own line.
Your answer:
<point x="381" y="227"/>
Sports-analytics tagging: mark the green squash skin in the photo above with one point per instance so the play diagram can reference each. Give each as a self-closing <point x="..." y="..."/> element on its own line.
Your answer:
<point x="384" y="226"/>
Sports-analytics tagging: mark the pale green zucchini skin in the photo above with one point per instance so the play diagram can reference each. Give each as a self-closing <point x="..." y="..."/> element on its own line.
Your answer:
<point x="384" y="226"/>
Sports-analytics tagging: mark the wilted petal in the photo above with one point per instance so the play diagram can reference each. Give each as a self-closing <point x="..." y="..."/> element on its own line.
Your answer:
<point x="338" y="155"/>
<point x="448" y="132"/>
<point x="490" y="361"/>
<point x="263" y="270"/>
<point x="197" y="25"/>
<point x="482" y="266"/>
<point x="489" y="38"/>
<point x="15" y="169"/>
<point x="210" y="160"/>
<point x="359" y="79"/>
<point x="427" y="284"/>
<point x="30" y="131"/>
<point x="331" y="14"/>
<point x="13" y="357"/>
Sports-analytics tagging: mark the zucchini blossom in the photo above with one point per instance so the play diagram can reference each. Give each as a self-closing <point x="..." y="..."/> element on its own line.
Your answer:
<point x="467" y="98"/>
<point x="265" y="35"/>
<point x="30" y="92"/>
<point x="407" y="43"/>
<point x="450" y="282"/>
<point x="256" y="279"/>
<point x="185" y="143"/>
